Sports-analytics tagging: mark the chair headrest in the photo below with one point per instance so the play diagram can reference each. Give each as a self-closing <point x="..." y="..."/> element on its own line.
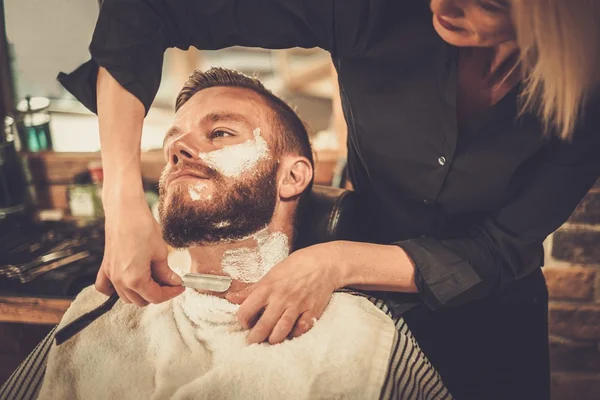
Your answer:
<point x="330" y="214"/>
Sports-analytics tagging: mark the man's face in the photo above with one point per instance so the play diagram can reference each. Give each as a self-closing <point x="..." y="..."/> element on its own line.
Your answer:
<point x="220" y="181"/>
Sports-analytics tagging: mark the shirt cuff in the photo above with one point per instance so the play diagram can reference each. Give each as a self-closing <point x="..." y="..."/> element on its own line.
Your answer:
<point x="81" y="83"/>
<point x="440" y="274"/>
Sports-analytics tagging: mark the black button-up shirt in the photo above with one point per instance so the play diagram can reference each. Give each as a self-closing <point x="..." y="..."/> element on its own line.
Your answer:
<point x="471" y="207"/>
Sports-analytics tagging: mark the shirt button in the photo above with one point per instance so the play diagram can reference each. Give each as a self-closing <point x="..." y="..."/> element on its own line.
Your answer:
<point x="442" y="160"/>
<point x="427" y="201"/>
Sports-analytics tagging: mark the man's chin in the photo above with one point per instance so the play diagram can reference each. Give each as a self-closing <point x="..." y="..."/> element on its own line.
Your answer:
<point x="206" y="226"/>
<point x="182" y="239"/>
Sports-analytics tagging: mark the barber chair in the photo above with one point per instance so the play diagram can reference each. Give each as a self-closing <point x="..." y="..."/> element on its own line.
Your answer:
<point x="330" y="214"/>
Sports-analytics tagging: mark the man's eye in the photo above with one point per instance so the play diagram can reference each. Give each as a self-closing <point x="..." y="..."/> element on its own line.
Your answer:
<point x="220" y="134"/>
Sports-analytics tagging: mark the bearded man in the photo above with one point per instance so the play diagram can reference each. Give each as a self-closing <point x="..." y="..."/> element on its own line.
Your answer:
<point x="239" y="165"/>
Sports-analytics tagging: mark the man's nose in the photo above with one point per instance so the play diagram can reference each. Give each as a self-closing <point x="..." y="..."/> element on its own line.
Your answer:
<point x="183" y="148"/>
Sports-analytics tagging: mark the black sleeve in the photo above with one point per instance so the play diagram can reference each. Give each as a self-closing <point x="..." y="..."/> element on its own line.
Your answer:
<point x="508" y="245"/>
<point x="131" y="35"/>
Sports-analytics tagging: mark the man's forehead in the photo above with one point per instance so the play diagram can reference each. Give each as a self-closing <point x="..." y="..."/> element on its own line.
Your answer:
<point x="222" y="99"/>
<point x="225" y="104"/>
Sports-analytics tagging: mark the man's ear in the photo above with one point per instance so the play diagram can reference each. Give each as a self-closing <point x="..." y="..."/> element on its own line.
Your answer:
<point x="296" y="175"/>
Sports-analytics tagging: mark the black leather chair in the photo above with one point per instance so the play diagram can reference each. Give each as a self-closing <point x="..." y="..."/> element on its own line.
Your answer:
<point x="330" y="214"/>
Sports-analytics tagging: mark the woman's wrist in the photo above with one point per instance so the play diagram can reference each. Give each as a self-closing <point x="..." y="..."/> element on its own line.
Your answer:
<point x="122" y="190"/>
<point x="370" y="266"/>
<point x="335" y="256"/>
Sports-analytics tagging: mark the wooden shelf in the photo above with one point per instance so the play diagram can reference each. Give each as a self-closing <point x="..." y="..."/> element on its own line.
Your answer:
<point x="32" y="310"/>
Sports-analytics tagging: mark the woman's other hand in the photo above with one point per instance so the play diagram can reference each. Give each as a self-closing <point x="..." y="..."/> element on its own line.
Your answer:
<point x="290" y="297"/>
<point x="294" y="293"/>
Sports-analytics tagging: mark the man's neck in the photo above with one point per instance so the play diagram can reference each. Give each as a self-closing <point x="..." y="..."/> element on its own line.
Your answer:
<point x="245" y="260"/>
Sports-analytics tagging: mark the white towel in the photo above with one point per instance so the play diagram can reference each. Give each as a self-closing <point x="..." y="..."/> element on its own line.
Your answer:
<point x="193" y="348"/>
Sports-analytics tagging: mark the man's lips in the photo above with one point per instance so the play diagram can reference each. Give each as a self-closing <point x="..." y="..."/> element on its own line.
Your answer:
<point x="185" y="174"/>
<point x="447" y="25"/>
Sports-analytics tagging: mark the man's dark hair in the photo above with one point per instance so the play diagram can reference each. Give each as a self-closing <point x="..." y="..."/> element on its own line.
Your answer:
<point x="294" y="137"/>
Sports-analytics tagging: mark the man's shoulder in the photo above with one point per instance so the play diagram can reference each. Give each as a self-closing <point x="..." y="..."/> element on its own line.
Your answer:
<point x="88" y="299"/>
<point x="358" y="306"/>
<point x="121" y="314"/>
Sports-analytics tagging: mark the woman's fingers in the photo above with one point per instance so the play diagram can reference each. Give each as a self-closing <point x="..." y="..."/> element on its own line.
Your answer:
<point x="133" y="292"/>
<point x="103" y="284"/>
<point x="135" y="298"/>
<point x="163" y="275"/>
<point x="154" y="293"/>
<point x="122" y="295"/>
<point x="308" y="319"/>
<point x="304" y="324"/>
<point x="135" y="258"/>
<point x="240" y="296"/>
<point x="161" y="285"/>
<point x="251" y="309"/>
<point x="265" y="324"/>
<point x="284" y="326"/>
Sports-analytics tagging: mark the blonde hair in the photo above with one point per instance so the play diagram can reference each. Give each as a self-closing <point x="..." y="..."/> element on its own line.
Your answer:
<point x="559" y="42"/>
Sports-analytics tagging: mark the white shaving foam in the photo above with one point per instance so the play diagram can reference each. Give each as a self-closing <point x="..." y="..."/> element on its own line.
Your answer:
<point x="196" y="190"/>
<point x="251" y="264"/>
<point x="234" y="160"/>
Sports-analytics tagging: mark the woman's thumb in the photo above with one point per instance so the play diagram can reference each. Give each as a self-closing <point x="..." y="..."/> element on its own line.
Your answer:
<point x="165" y="275"/>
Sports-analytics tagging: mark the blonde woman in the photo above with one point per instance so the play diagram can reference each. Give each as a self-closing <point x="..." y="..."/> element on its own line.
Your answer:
<point x="472" y="136"/>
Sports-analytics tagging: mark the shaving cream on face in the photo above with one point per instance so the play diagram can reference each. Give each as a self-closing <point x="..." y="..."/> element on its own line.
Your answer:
<point x="196" y="190"/>
<point x="249" y="265"/>
<point x="232" y="161"/>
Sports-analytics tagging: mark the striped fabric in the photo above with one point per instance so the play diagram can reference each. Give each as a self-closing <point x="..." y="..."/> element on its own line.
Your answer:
<point x="26" y="381"/>
<point x="410" y="376"/>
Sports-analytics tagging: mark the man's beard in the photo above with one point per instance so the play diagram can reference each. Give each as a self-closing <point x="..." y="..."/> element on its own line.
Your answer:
<point x="237" y="209"/>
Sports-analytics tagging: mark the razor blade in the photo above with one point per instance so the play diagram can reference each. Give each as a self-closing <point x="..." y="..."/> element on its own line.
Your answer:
<point x="211" y="283"/>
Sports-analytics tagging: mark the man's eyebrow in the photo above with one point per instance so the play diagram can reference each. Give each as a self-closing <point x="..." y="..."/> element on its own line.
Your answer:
<point x="213" y="117"/>
<point x="226" y="116"/>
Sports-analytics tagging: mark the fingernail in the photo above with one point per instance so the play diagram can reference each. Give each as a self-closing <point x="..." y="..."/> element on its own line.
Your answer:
<point x="176" y="279"/>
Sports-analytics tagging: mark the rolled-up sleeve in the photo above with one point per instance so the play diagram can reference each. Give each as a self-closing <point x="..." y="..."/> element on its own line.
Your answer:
<point x="131" y="36"/>
<point x="507" y="245"/>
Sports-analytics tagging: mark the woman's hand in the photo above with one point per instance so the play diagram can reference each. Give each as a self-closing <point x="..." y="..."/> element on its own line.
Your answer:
<point x="288" y="299"/>
<point x="291" y="296"/>
<point x="135" y="257"/>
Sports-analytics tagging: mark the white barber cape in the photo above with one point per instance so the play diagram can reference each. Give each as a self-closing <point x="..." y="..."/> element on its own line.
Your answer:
<point x="193" y="348"/>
